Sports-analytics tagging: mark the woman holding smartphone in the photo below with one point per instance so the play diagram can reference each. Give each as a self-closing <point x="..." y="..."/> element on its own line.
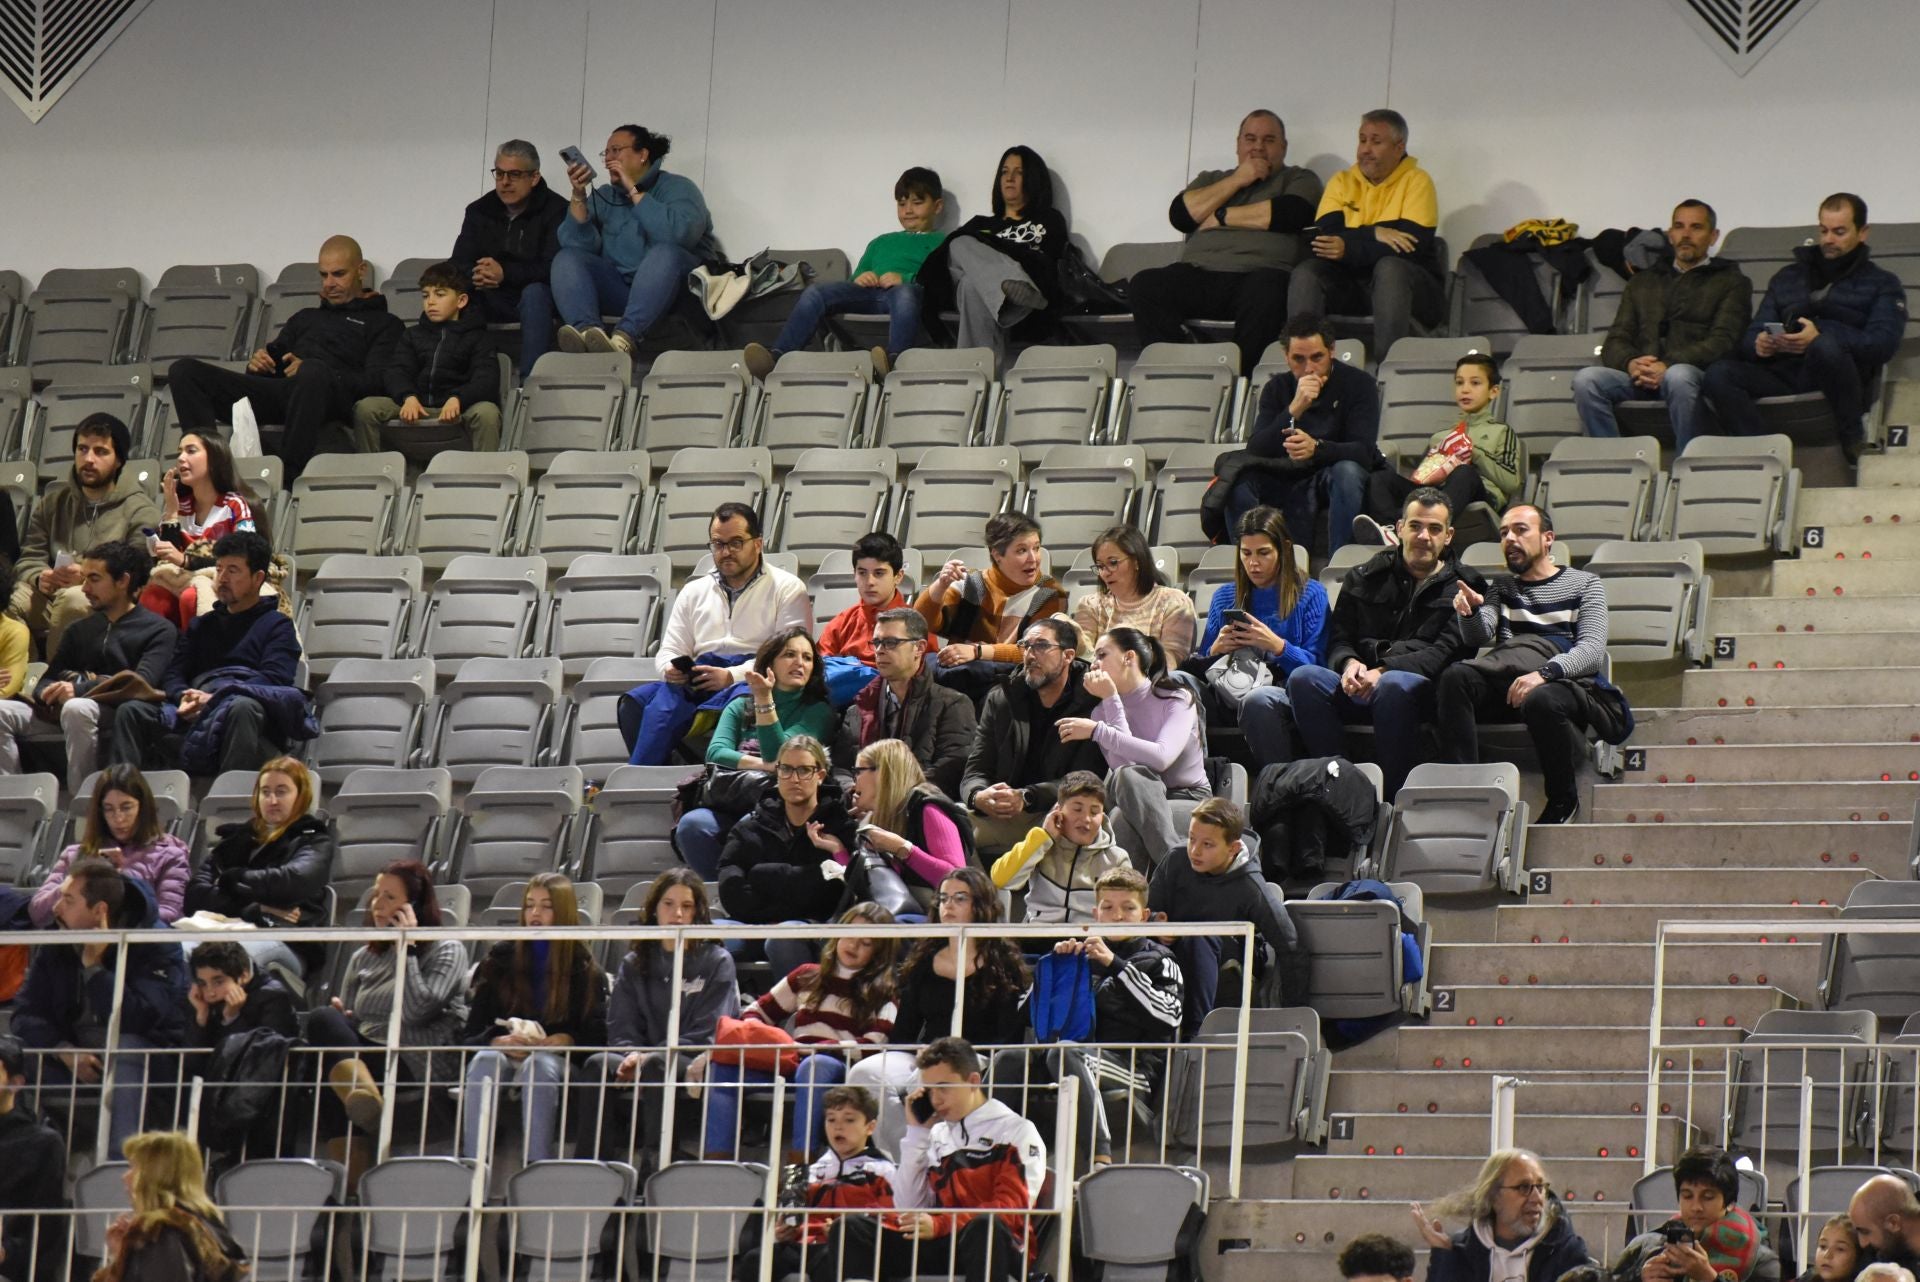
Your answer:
<point x="205" y="500"/>
<point x="123" y="826"/>
<point x="1271" y="608"/>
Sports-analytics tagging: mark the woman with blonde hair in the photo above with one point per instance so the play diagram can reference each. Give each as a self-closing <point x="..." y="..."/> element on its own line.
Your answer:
<point x="1516" y="1227"/>
<point x="906" y="822"/>
<point x="272" y="870"/>
<point x="174" y="1233"/>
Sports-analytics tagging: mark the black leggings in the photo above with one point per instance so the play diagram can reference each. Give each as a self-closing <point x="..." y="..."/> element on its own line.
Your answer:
<point x="1387" y="492"/>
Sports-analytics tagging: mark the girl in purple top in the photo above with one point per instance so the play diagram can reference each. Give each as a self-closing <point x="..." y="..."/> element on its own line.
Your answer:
<point x="123" y="825"/>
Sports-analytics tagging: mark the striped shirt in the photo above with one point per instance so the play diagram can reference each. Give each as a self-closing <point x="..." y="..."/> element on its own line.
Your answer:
<point x="831" y="1023"/>
<point x="1568" y="608"/>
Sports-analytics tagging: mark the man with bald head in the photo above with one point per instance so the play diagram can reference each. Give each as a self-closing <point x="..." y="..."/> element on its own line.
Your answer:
<point x="1886" y="1215"/>
<point x="323" y="360"/>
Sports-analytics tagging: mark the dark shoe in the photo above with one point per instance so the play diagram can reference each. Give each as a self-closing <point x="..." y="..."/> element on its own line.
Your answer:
<point x="1560" y="812"/>
<point x="1850" y="449"/>
<point x="758" y="360"/>
<point x="569" y="339"/>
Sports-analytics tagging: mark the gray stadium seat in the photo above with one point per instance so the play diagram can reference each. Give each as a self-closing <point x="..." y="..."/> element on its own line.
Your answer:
<point x="1458" y="829"/>
<point x="606" y="607"/>
<point x="17" y="414"/>
<point x="1734" y="494"/>
<point x="1601" y="488"/>
<point x="483" y="607"/>
<point x="1414" y="404"/>
<point x="588" y="734"/>
<point x="691" y="1239"/>
<point x="1132" y="1217"/>
<point x="280" y="1236"/>
<point x="519" y="820"/>
<point x="693" y="400"/>
<point x="953" y="491"/>
<point x="346" y="503"/>
<point x="813" y="400"/>
<point x="696" y="482"/>
<point x="466" y="503"/>
<point x="561" y="1246"/>
<point x="172" y="801"/>
<point x="1077" y="490"/>
<point x="1180" y="394"/>
<point x="1900" y="1109"/>
<point x="372" y="714"/>
<point x="1418" y="355"/>
<point x="1117" y="266"/>
<point x="1832" y="1047"/>
<point x="1335" y="570"/>
<point x="100" y="1197"/>
<point x="202" y="312"/>
<point x="358" y="607"/>
<point x="1599" y="299"/>
<point x="1083" y="577"/>
<point x="413" y="1215"/>
<point x="1287" y="1075"/>
<point x="587" y="501"/>
<point x="1213" y="569"/>
<point x="504" y="908"/>
<point x="628" y="835"/>
<point x="1538" y="405"/>
<point x="933" y="397"/>
<point x="29" y="812"/>
<point x="13" y="290"/>
<point x="1357" y="970"/>
<point x="571" y="401"/>
<point x="228" y="800"/>
<point x="381" y="815"/>
<point x="80" y="318"/>
<point x="403" y="287"/>
<point x="1877" y="973"/>
<point x="119" y="390"/>
<point x="830" y="499"/>
<point x="1829" y="1192"/>
<point x="1566" y="353"/>
<point x="1057" y="396"/>
<point x="1658" y="597"/>
<point x="495" y="712"/>
<point x="1652" y="1199"/>
<point x="1478" y="308"/>
<point x="1178" y="487"/>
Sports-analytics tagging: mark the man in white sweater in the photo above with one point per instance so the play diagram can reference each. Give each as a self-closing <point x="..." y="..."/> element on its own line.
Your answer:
<point x="718" y="621"/>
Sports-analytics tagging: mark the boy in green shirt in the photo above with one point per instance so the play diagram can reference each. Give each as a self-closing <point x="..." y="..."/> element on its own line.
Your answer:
<point x="883" y="281"/>
<point x="1477" y="460"/>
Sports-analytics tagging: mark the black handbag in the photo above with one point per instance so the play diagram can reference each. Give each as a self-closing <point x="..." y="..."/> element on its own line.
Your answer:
<point x="1083" y="290"/>
<point x="871" y="877"/>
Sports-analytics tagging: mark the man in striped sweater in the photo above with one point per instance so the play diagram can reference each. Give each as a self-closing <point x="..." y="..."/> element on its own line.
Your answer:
<point x="1548" y="626"/>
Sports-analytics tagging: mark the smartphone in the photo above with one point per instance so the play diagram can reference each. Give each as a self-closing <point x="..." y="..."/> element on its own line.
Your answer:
<point x="1678" y="1235"/>
<point x="921" y="1107"/>
<point x="1237" y="616"/>
<point x="574" y="156"/>
<point x="1775" y="328"/>
<point x="683" y="662"/>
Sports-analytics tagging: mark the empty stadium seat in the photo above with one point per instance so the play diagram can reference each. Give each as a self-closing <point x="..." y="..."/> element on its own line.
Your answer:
<point x="466" y="503"/>
<point x="1117" y="266"/>
<point x="346" y="503"/>
<point x="518" y="821"/>
<point x="1458" y="829"/>
<point x="813" y="400"/>
<point x="630" y="828"/>
<point x="380" y="815"/>
<point x="1057" y="396"/>
<point x="1565" y="353"/>
<point x="694" y="400"/>
<point x="372" y="714"/>
<point x="588" y="731"/>
<point x="1598" y="301"/>
<point x="1180" y="394"/>
<point x="1132" y="1217"/>
<point x="1877" y="973"/>
<point x="1430" y="355"/>
<point x="1538" y="406"/>
<point x="1358" y="970"/>
<point x="586" y="502"/>
<point x="1287" y="1076"/>
<point x="200" y="312"/>
<point x="119" y="390"/>
<point x="413" y="1215"/>
<point x="358" y="607"/>
<point x="606" y="607"/>
<point x="696" y="482"/>
<point x="273" y="1207"/>
<point x="1179" y="485"/>
<point x="79" y="318"/>
<point x="694" y="1230"/>
<point x="495" y="712"/>
<point x="564" y="1246"/>
<point x="953" y="491"/>
<point x="1735" y="494"/>
<point x="829" y="500"/>
<point x="1601" y="488"/>
<point x="29" y="814"/>
<point x="933" y="397"/>
<point x="1414" y="404"/>
<point x="570" y="401"/>
<point x="1900" y="1106"/>
<point x="403" y="287"/>
<point x="1831" y="1047"/>
<point x="483" y="607"/>
<point x="1658" y="598"/>
<point x="1077" y="490"/>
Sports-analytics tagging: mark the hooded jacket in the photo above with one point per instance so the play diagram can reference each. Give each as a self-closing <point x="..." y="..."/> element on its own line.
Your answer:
<point x="991" y="1159"/>
<point x="289" y="872"/>
<point x="354" y="339"/>
<point x="1387" y="620"/>
<point x="1550" y="1252"/>
<point x="1059" y="876"/>
<point x="66" y="520"/>
<point x="1685" y="318"/>
<point x="260" y="639"/>
<point x="1863" y="308"/>
<point x="936" y="722"/>
<point x="165" y="864"/>
<point x="439" y="360"/>
<point x="523" y="244"/>
<point x="1236" y="893"/>
<point x="96" y="647"/>
<point x="770" y="872"/>
<point x="58" y="991"/>
<point x="637" y="1012"/>
<point x="999" y="752"/>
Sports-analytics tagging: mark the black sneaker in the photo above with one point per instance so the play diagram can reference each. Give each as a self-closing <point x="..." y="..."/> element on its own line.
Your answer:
<point x="1560" y="812"/>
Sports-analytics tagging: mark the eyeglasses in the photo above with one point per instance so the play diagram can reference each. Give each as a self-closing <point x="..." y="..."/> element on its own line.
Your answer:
<point x="1039" y="647"/>
<point x="611" y="152"/>
<point x="796" y="772"/>
<point x="513" y="175"/>
<point x="891" y="643"/>
<point x="1529" y="1190"/>
<point x="957" y="897"/>
<point x="865" y="770"/>
<point x="717" y="546"/>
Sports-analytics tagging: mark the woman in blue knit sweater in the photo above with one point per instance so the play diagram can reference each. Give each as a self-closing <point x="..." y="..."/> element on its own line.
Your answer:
<point x="1277" y="611"/>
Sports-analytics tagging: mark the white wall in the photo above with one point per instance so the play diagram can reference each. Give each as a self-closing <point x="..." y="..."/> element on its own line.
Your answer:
<point x="248" y="130"/>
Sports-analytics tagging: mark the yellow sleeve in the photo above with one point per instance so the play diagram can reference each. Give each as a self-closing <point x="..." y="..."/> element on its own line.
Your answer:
<point x="1419" y="203"/>
<point x="1334" y="198"/>
<point x="1011" y="870"/>
<point x="13" y="656"/>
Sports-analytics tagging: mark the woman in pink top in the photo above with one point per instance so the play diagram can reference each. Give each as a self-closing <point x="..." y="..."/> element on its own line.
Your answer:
<point x="906" y="821"/>
<point x="123" y="826"/>
<point x="205" y="501"/>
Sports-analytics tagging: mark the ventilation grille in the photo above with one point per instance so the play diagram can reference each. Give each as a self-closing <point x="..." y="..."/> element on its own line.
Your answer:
<point x="1743" y="31"/>
<point x="47" y="45"/>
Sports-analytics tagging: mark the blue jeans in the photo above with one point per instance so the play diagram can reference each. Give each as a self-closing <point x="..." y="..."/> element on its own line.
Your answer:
<point x="1597" y="389"/>
<point x="587" y="286"/>
<point x="531" y="309"/>
<point x="698" y="836"/>
<point x="126" y="1087"/>
<point x="900" y="302"/>
<point x="1267" y="720"/>
<point x="727" y="1083"/>
<point x="784" y="955"/>
<point x="1341" y="488"/>
<point x="540" y="1075"/>
<point x="1401" y="703"/>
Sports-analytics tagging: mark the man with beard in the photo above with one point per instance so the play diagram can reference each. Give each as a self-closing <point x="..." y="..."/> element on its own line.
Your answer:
<point x="1886" y="1215"/>
<point x="1018" y="755"/>
<point x="1829" y="321"/>
<point x="1548" y="625"/>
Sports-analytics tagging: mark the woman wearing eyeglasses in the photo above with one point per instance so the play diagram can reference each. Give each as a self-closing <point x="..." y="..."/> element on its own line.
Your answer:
<point x="1516" y="1227"/>
<point x="770" y="868"/>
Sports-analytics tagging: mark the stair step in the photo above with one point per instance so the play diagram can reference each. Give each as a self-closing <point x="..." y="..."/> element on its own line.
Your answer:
<point x="1856" y="540"/>
<point x="1746" y="803"/>
<point x="1552" y="1137"/>
<point x="1638" y="923"/>
<point x="1530" y="1049"/>
<point x="1826" y="579"/>
<point x="1798" y="687"/>
<point x="1461" y="1092"/>
<point x="1867" y="507"/>
<point x="1882" y="471"/>
<point x="1833" y="615"/>
<point x="1706" y="727"/>
<point x="1792" y="968"/>
<point x="1535" y="1005"/>
<point x="1813" y="761"/>
<point x="1375" y="1179"/>
<point x="1879" y="847"/>
<point x="1641" y="885"/>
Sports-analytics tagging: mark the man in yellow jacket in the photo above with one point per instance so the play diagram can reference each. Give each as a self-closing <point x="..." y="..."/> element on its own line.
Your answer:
<point x="1373" y="247"/>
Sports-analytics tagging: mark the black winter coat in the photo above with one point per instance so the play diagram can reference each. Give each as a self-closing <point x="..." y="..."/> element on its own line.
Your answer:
<point x="523" y="244"/>
<point x="1386" y="620"/>
<point x="33" y="1164"/>
<point x="439" y="360"/>
<point x="1864" y="308"/>
<point x="1000" y="741"/>
<point x="354" y="339"/>
<point x="289" y="872"/>
<point x="1468" y="1259"/>
<point x="770" y="872"/>
<point x="1306" y="815"/>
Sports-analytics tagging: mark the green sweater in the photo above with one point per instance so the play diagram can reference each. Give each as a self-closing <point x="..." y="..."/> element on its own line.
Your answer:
<point x="795" y="717"/>
<point x="1496" y="454"/>
<point x="898" y="251"/>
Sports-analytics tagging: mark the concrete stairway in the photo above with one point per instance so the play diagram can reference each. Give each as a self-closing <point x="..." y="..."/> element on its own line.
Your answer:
<point x="1781" y="778"/>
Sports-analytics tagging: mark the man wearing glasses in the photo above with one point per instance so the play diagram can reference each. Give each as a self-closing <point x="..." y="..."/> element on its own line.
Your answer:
<point x="1018" y="756"/>
<point x="1516" y="1229"/>
<point x="905" y="702"/>
<point x="707" y="648"/>
<point x="507" y="243"/>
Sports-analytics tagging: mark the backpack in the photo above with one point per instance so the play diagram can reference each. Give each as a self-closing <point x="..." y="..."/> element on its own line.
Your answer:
<point x="1060" y="1004"/>
<point x="243" y="1086"/>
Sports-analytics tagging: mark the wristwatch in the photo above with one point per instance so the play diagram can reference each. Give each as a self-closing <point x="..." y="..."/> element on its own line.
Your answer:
<point x="1220" y="215"/>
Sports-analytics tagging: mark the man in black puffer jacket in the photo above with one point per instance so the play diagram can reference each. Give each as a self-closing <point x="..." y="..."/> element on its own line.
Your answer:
<point x="443" y="370"/>
<point x="1837" y="319"/>
<point x="323" y="360"/>
<point x="507" y="242"/>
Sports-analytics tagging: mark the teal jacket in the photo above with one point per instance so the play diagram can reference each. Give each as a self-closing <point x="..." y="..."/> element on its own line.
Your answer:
<point x="674" y="213"/>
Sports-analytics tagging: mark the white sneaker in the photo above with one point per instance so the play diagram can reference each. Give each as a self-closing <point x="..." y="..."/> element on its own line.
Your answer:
<point x="1371" y="533"/>
<point x="569" y="339"/>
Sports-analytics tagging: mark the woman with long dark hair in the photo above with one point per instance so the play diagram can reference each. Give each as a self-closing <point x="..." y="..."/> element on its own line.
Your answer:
<point x="1274" y="611"/>
<point x="272" y="870"/>
<point x="203" y="500"/>
<point x="998" y="269"/>
<point x="1132" y="594"/>
<point x="123" y="827"/>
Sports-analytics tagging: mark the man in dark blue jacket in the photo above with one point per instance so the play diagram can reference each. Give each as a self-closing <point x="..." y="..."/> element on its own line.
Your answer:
<point x="67" y="1003"/>
<point x="1829" y="321"/>
<point x="507" y="242"/>
<point x="234" y="670"/>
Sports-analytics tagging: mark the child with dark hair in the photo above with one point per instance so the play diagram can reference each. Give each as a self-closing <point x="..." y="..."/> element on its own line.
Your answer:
<point x="850" y="1173"/>
<point x="1837" y="1253"/>
<point x="1476" y="460"/>
<point x="884" y="280"/>
<point x="443" y="370"/>
<point x="1712" y="1230"/>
